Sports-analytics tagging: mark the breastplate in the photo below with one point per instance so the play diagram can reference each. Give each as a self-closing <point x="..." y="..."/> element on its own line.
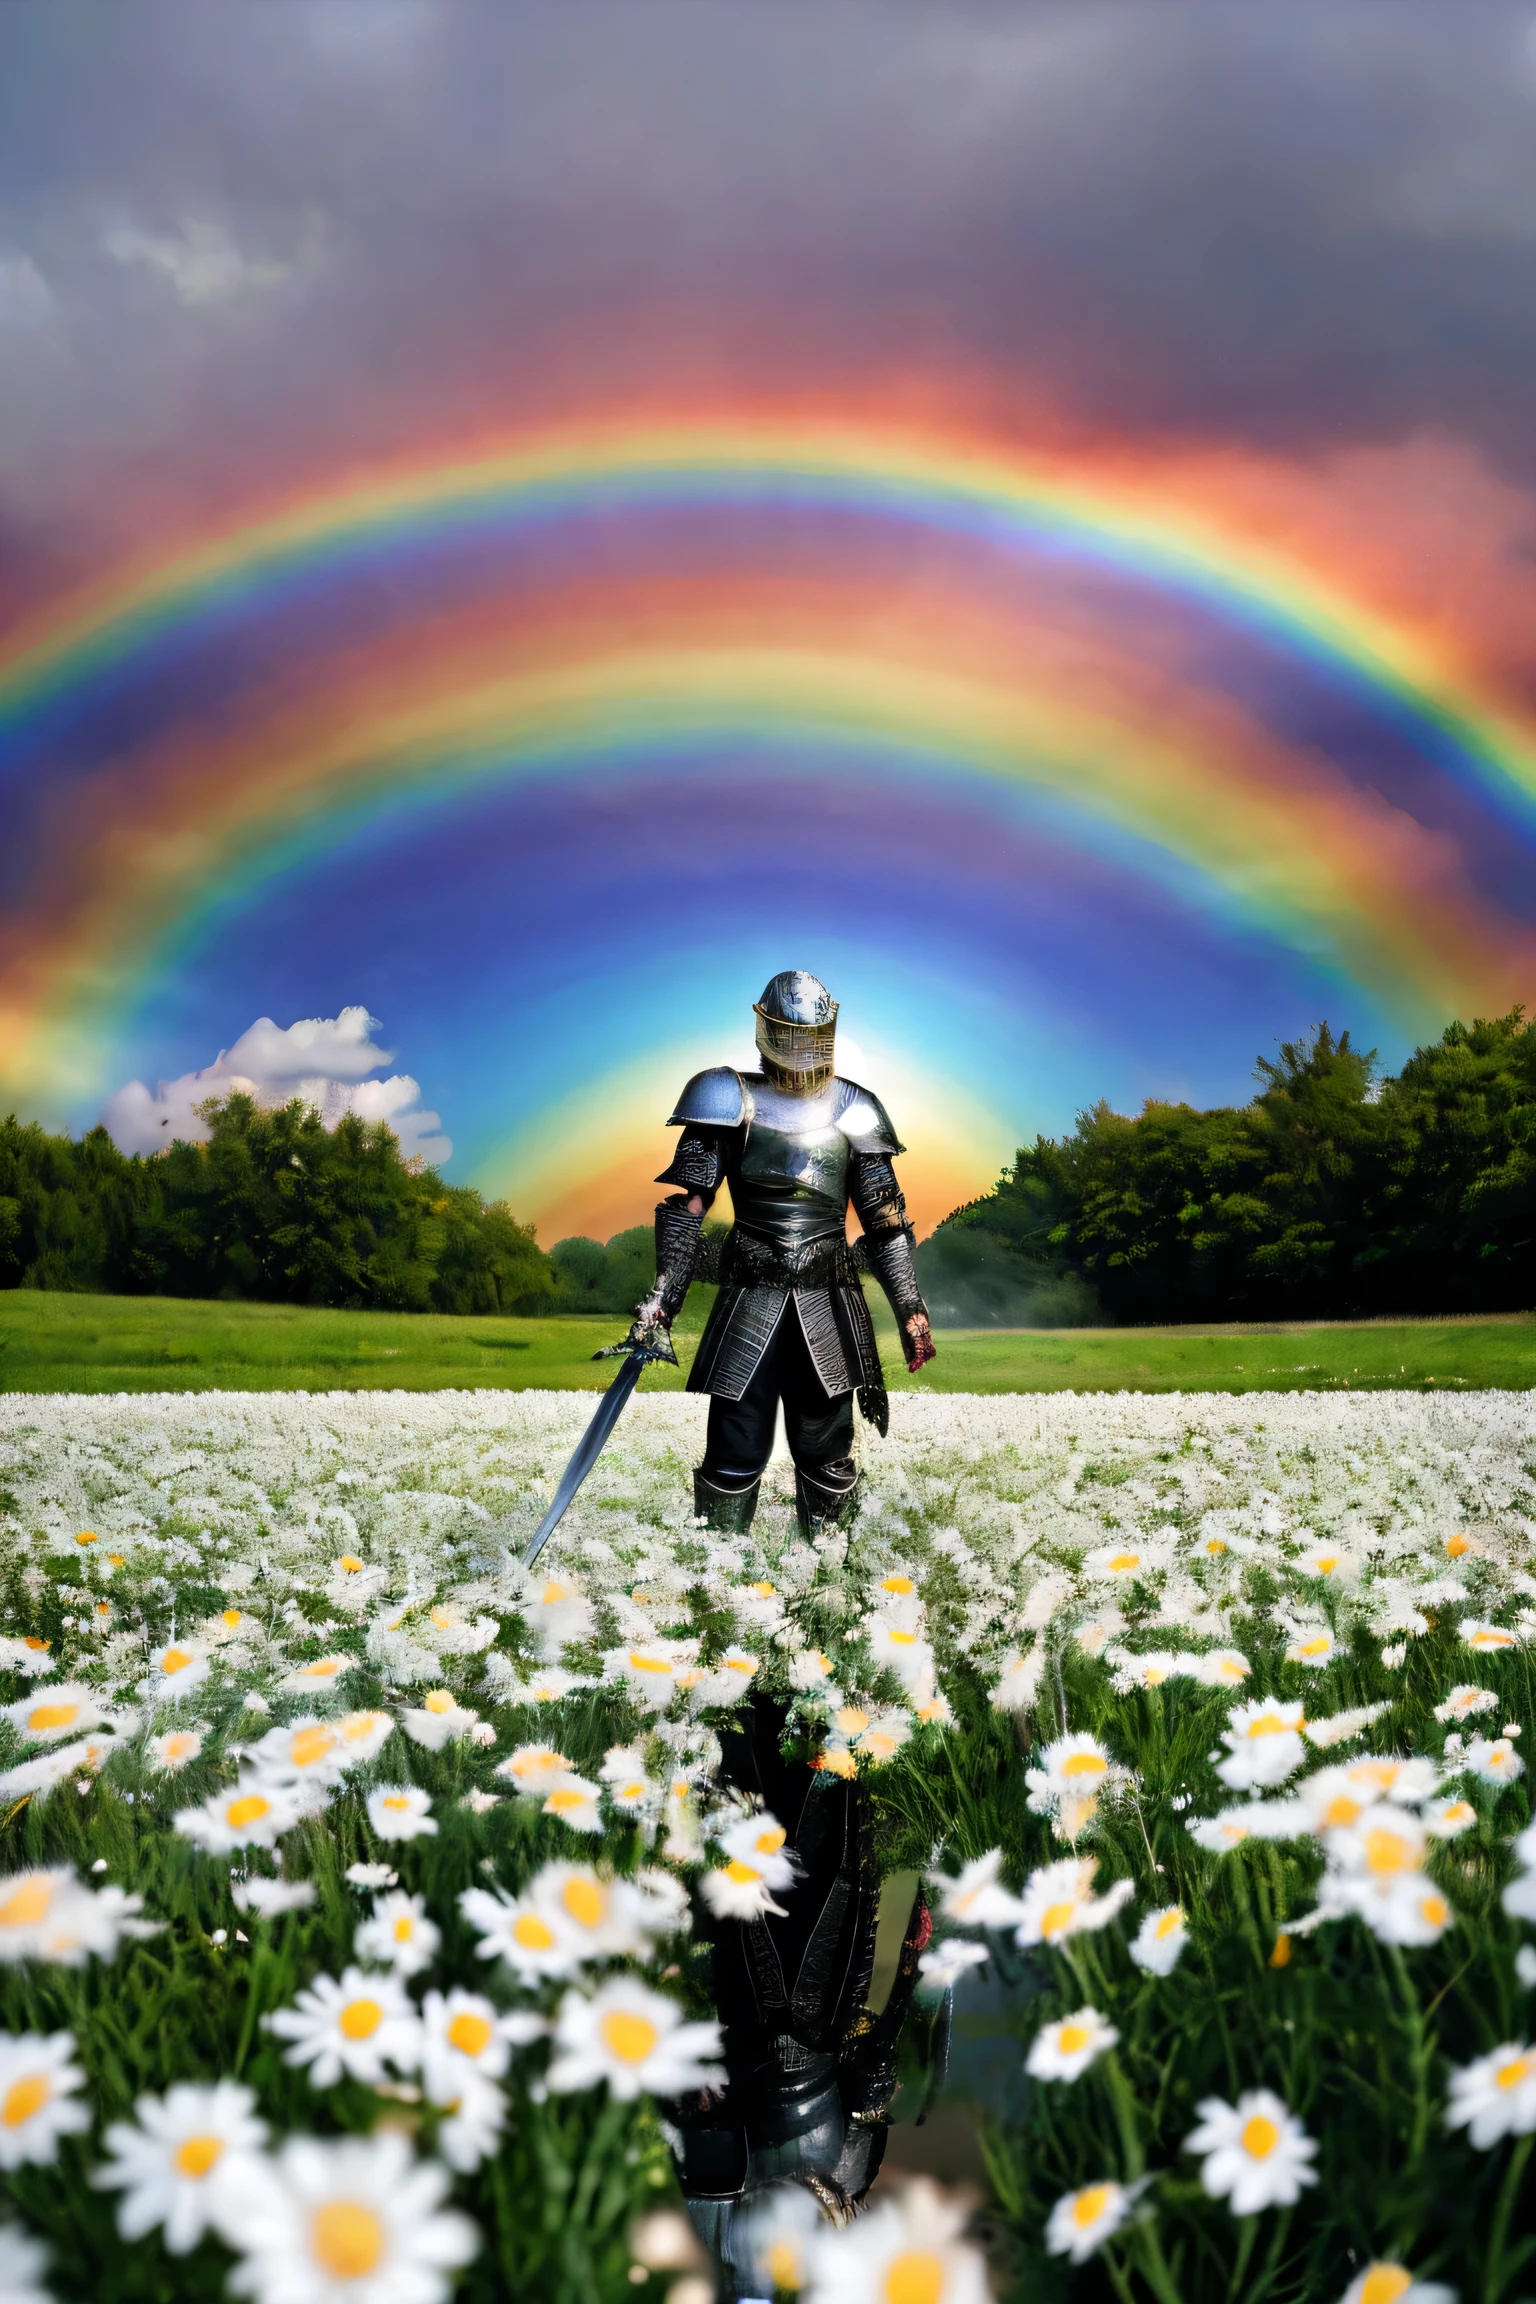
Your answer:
<point x="794" y="1168"/>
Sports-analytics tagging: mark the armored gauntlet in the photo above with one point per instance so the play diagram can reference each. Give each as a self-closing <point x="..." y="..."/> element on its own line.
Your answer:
<point x="677" y="1252"/>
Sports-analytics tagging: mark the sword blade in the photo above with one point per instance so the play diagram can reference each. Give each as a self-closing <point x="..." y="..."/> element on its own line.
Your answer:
<point x="589" y="1448"/>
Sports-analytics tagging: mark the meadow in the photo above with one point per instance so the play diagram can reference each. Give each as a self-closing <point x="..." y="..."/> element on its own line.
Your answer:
<point x="355" y="1885"/>
<point x="58" y="1341"/>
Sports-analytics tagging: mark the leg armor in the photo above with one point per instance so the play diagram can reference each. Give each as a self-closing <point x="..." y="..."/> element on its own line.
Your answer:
<point x="726" y="1508"/>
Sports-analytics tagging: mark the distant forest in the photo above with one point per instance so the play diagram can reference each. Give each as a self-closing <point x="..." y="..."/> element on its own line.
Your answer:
<point x="1335" y="1193"/>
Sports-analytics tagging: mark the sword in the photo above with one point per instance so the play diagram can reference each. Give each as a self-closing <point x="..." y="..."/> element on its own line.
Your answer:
<point x="595" y="1438"/>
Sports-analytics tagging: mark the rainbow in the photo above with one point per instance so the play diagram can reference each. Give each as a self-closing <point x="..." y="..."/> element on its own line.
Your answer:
<point x="1037" y="764"/>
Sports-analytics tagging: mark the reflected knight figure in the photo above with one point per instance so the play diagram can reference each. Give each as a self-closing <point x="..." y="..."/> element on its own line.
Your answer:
<point x="796" y="1145"/>
<point x="812" y="2070"/>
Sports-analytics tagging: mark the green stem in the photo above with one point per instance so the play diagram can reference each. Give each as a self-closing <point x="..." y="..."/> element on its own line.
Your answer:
<point x="1509" y="2193"/>
<point x="1155" y="2266"/>
<point x="1124" y="2105"/>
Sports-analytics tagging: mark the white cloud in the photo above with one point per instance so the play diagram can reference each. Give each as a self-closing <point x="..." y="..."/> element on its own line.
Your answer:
<point x="26" y="300"/>
<point x="202" y="262"/>
<point x="325" y="1060"/>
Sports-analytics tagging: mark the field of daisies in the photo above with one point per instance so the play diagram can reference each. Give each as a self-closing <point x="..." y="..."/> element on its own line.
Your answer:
<point x="356" y="1885"/>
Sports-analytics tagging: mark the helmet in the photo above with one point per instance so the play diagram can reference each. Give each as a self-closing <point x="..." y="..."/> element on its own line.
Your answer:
<point x="796" y="1020"/>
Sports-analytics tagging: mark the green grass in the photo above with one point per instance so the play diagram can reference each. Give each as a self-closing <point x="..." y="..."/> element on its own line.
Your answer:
<point x="65" y="1343"/>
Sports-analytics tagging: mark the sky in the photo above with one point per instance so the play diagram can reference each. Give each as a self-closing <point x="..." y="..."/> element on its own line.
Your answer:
<point x="517" y="523"/>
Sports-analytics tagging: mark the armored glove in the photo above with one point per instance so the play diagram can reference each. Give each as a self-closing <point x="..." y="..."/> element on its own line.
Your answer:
<point x="677" y="1252"/>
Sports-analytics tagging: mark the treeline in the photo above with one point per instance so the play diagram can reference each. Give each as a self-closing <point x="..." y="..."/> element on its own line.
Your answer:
<point x="274" y="1206"/>
<point x="1335" y="1193"/>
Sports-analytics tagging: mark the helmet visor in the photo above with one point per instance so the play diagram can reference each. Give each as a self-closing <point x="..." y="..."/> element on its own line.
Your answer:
<point x="805" y="1050"/>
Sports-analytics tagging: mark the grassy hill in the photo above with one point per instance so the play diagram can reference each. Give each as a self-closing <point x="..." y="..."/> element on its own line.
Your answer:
<point x="59" y="1342"/>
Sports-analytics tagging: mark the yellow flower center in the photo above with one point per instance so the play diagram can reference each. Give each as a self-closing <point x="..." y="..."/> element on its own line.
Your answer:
<point x="1491" y="1637"/>
<point x="1124" y="1561"/>
<point x="1215" y="1544"/>
<point x="395" y="1800"/>
<point x="1260" y="2137"/>
<point x="25" y="2100"/>
<point x="1267" y="1724"/>
<point x="1456" y="1545"/>
<point x="740" y="1873"/>
<point x="347" y="2239"/>
<point x="642" y="1663"/>
<point x="1072" y="2039"/>
<point x="770" y="1842"/>
<point x="470" y="2034"/>
<point x="900" y="1585"/>
<point x="310" y="1745"/>
<point x="534" y="1934"/>
<point x="563" y="1798"/>
<point x="31" y="1640"/>
<point x="179" y="1747"/>
<point x="1435" y="1911"/>
<point x="746" y="1664"/>
<point x="442" y="1618"/>
<point x="405" y="1928"/>
<point x="1460" y="1812"/>
<point x="250" y="1810"/>
<point x="29" y="1903"/>
<point x="1384" y="2283"/>
<point x="1169" y="1923"/>
<point x="1318" y="1647"/>
<point x="231" y="1616"/>
<point x="1341" y="1811"/>
<point x="360" y="2019"/>
<point x="784" y="2267"/>
<point x="903" y="1639"/>
<point x="1280" y="1957"/>
<point x="51" y="1716"/>
<point x="1325" y="1563"/>
<point x="764" y="1590"/>
<point x="437" y="1700"/>
<point x="631" y="2038"/>
<point x="586" y="1901"/>
<point x="1518" y="2068"/>
<point x="198" y="2155"/>
<point x="1089" y="2204"/>
<point x="86" y="1537"/>
<point x="914" y="2277"/>
<point x="325" y="1668"/>
<point x="1085" y="1764"/>
<point x="174" y="1660"/>
<point x="1387" y="1851"/>
<point x="553" y="1594"/>
<point x="357" y="1725"/>
<point x="118" y="1559"/>
<point x="350" y="1564"/>
<point x="1056" y="1918"/>
<point x="851" y="1720"/>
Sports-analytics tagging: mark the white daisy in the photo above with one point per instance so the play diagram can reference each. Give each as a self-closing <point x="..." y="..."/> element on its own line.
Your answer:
<point x="370" y="1876"/>
<point x="898" y="1648"/>
<point x="575" y="1801"/>
<point x="1465" y="1701"/>
<point x="558" y="1611"/>
<point x="1265" y="1745"/>
<point x="1223" y="1668"/>
<point x="1160" y="1940"/>
<point x="1387" y="2283"/>
<point x="397" y="1934"/>
<point x="534" y="1767"/>
<point x="648" y="1670"/>
<point x="1495" y="2095"/>
<point x="1256" y="2153"/>
<point x="1065" y="2049"/>
<point x="628" y="1781"/>
<point x="1082" y="2221"/>
<point x="269" y="1899"/>
<point x="942" y="1967"/>
<point x="174" y="2161"/>
<point x="738" y="1891"/>
<point x="38" y="2104"/>
<point x="810" y="1668"/>
<point x="321" y="1673"/>
<point x="532" y="1942"/>
<point x="357" y="2220"/>
<point x="1487" y="1639"/>
<point x="635" y="2039"/>
<point x="1059" y="1902"/>
<point x="28" y="1655"/>
<point x="174" y="1749"/>
<point x="1066" y="1785"/>
<point x="761" y="1840"/>
<point x="1019" y="1682"/>
<point x="253" y="1812"/>
<point x="22" y="2260"/>
<point x="49" y="1914"/>
<point x="1447" y="1819"/>
<point x="67" y="1710"/>
<point x="770" y="2239"/>
<point x="1314" y="1647"/>
<point x="465" y="2037"/>
<point x="174" y="1671"/>
<point x="477" y="2114"/>
<point x="1496" y="1763"/>
<point x="1123" y="1563"/>
<point x="909" y="2247"/>
<point x="976" y="1897"/>
<point x="438" y="1720"/>
<point x="1408" y="1908"/>
<point x="400" y="1812"/>
<point x="356" y="2023"/>
<point x="883" y="1737"/>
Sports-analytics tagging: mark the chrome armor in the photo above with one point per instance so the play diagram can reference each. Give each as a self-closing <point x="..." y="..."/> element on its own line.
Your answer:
<point x="796" y="1025"/>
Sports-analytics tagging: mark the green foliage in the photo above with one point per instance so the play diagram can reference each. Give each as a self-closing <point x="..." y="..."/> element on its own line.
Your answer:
<point x="274" y="1207"/>
<point x="1332" y="1195"/>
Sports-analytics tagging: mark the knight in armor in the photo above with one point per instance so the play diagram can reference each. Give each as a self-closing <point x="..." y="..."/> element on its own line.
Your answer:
<point x="796" y="1145"/>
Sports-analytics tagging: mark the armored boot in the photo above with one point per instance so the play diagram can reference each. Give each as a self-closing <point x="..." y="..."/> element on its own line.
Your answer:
<point x="728" y="1509"/>
<point x="825" y="1494"/>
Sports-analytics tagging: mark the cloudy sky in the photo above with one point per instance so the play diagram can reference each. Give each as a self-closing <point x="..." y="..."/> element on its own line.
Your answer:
<point x="1287" y="250"/>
